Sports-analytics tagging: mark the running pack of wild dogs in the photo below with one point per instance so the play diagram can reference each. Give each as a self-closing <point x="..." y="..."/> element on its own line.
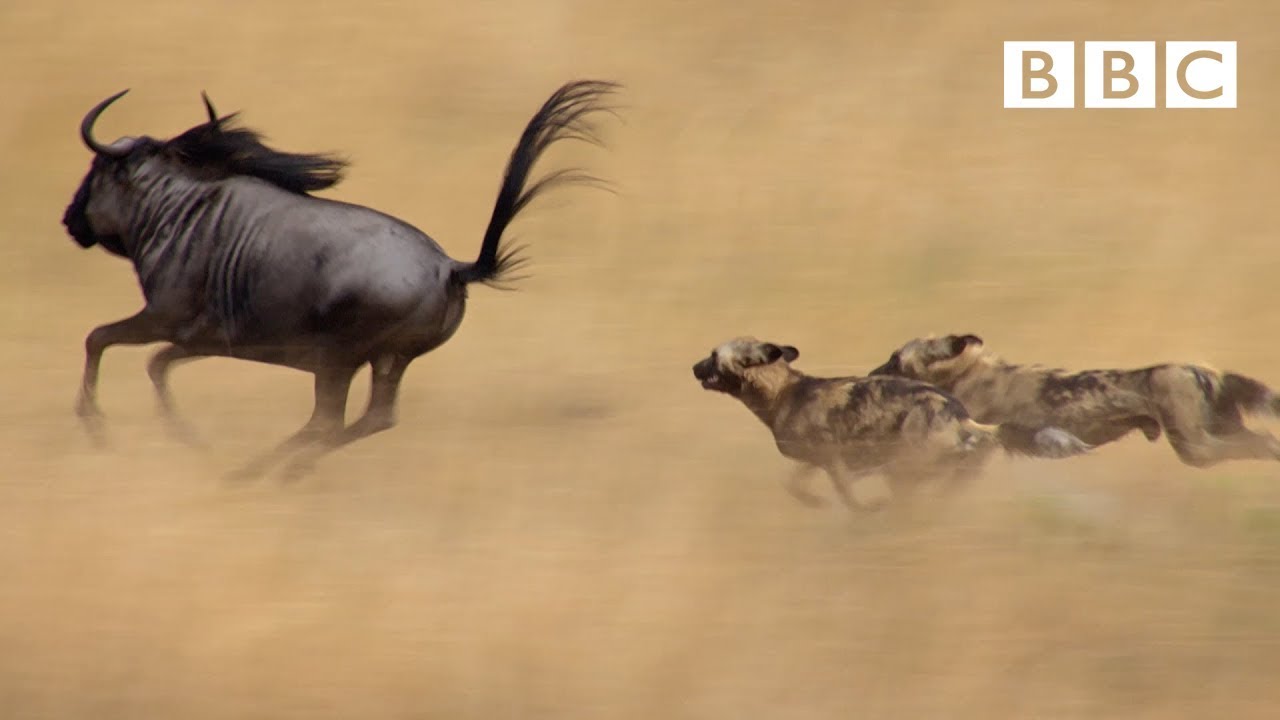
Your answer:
<point x="237" y="258"/>
<point x="938" y="408"/>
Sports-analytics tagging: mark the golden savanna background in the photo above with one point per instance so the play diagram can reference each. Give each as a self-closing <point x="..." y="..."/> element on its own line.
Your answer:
<point x="564" y="525"/>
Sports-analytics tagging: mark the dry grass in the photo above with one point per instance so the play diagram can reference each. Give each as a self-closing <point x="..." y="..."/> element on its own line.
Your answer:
<point x="564" y="525"/>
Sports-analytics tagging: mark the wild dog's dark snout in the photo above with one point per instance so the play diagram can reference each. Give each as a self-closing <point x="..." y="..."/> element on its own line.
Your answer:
<point x="702" y="369"/>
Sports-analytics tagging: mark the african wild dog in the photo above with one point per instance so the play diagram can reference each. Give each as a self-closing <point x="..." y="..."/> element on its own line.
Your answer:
<point x="1200" y="409"/>
<point x="851" y="427"/>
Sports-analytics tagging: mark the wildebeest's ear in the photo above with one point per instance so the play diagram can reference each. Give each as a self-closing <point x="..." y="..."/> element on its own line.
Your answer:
<point x="774" y="353"/>
<point x="960" y="343"/>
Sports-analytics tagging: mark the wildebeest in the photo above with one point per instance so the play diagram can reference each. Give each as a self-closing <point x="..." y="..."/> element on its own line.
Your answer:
<point x="851" y="427"/>
<point x="236" y="258"/>
<point x="1201" y="409"/>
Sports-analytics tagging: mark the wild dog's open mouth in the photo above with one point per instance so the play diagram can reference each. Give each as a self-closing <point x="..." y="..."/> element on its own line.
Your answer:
<point x="719" y="383"/>
<point x="710" y="377"/>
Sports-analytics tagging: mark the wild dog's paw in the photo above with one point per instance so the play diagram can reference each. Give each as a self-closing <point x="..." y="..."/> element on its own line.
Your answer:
<point x="805" y="497"/>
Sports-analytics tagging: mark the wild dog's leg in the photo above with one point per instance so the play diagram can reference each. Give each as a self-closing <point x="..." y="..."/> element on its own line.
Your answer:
<point x="950" y="471"/>
<point x="138" y="329"/>
<point x="1245" y="444"/>
<point x="388" y="371"/>
<point x="966" y="467"/>
<point x="158" y="370"/>
<point x="1149" y="426"/>
<point x="1242" y="394"/>
<point x="1203" y="436"/>
<point x="1259" y="445"/>
<point x="902" y="485"/>
<point x="965" y="471"/>
<point x="332" y="385"/>
<point x="797" y="486"/>
<point x="1105" y="429"/>
<point x="1202" y="427"/>
<point x="1199" y="448"/>
<point x="842" y="478"/>
<point x="1205" y="450"/>
<point x="1196" y="450"/>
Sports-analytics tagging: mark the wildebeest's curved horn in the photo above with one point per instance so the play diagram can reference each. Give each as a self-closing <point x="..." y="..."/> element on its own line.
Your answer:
<point x="208" y="106"/>
<point x="86" y="129"/>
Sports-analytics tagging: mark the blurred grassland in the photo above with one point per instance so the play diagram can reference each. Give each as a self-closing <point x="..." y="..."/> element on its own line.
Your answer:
<point x="564" y="525"/>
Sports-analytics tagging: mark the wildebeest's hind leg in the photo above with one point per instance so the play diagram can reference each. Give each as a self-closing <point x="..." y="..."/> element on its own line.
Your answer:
<point x="138" y="329"/>
<point x="384" y="386"/>
<point x="158" y="370"/>
<point x="332" y="385"/>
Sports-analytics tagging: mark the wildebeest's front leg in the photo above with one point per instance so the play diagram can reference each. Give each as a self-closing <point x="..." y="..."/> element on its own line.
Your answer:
<point x="388" y="371"/>
<point x="158" y="370"/>
<point x="332" y="386"/>
<point x="138" y="329"/>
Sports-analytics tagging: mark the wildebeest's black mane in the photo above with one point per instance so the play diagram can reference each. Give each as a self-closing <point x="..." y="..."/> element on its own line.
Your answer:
<point x="222" y="149"/>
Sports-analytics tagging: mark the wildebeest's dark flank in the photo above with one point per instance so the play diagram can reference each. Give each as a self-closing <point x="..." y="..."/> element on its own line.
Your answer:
<point x="235" y="258"/>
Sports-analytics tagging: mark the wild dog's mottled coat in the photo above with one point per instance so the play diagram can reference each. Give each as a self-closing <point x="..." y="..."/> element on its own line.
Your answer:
<point x="1200" y="409"/>
<point x="853" y="426"/>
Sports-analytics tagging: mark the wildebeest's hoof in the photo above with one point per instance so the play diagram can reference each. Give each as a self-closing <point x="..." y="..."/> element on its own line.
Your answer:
<point x="185" y="434"/>
<point x="297" y="469"/>
<point x="244" y="474"/>
<point x="873" y="505"/>
<point x="94" y="427"/>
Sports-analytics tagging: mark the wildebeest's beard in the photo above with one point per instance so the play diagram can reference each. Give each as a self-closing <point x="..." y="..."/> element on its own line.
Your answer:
<point x="708" y="372"/>
<point x="76" y="219"/>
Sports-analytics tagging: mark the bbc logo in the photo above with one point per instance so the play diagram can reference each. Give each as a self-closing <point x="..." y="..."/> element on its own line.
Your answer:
<point x="1120" y="74"/>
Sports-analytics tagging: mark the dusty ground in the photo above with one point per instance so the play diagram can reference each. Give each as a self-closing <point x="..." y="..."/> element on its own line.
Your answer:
<point x="564" y="525"/>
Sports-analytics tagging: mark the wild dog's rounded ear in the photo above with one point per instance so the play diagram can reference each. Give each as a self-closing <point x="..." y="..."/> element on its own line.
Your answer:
<point x="774" y="353"/>
<point x="960" y="343"/>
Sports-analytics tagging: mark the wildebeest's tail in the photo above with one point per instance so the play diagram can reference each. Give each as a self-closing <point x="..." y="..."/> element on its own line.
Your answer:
<point x="1041" y="442"/>
<point x="561" y="116"/>
<point x="1249" y="394"/>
